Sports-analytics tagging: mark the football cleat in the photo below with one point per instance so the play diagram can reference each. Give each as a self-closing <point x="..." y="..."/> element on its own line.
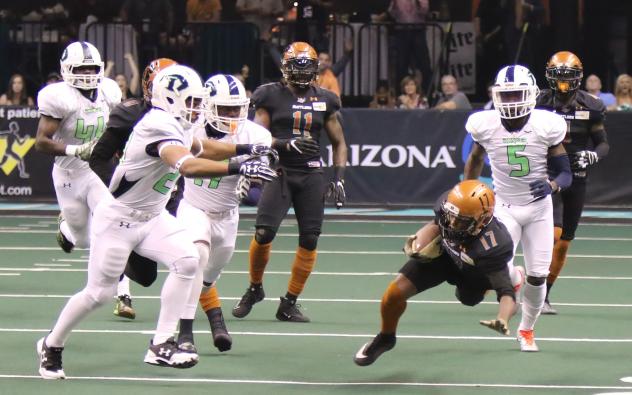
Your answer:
<point x="221" y="337"/>
<point x="49" y="361"/>
<point x="254" y="294"/>
<point x="373" y="349"/>
<point x="188" y="347"/>
<point x="169" y="354"/>
<point x="548" y="309"/>
<point x="62" y="240"/>
<point x="518" y="286"/>
<point x="527" y="341"/>
<point x="289" y="311"/>
<point x="123" y="307"/>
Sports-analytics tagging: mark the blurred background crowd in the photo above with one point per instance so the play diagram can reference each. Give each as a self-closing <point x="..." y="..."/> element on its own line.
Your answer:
<point x="410" y="54"/>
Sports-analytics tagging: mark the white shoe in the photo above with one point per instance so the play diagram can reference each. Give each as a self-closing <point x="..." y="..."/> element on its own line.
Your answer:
<point x="548" y="309"/>
<point x="518" y="286"/>
<point x="169" y="354"/>
<point x="527" y="341"/>
<point x="49" y="361"/>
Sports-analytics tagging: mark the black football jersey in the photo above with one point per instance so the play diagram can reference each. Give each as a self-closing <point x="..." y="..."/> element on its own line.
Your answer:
<point x="294" y="116"/>
<point x="584" y="112"/>
<point x="112" y="142"/>
<point x="487" y="253"/>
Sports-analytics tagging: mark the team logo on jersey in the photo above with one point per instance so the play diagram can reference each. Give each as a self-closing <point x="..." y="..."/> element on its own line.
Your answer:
<point x="582" y="114"/>
<point x="177" y="83"/>
<point x="301" y="100"/>
<point x="319" y="106"/>
<point x="13" y="149"/>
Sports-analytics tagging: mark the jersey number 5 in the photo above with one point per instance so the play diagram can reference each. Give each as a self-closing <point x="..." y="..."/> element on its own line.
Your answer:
<point x="307" y="126"/>
<point x="514" y="159"/>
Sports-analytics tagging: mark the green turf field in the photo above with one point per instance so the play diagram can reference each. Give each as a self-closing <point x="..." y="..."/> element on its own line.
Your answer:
<point x="441" y="349"/>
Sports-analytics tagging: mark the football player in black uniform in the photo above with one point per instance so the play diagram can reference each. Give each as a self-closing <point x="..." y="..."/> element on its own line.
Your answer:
<point x="296" y="112"/>
<point x="466" y="246"/>
<point x="104" y="159"/>
<point x="585" y="142"/>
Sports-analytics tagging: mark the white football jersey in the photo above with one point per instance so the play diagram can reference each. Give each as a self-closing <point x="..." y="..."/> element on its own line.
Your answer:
<point x="217" y="194"/>
<point x="81" y="119"/>
<point x="517" y="158"/>
<point x="142" y="180"/>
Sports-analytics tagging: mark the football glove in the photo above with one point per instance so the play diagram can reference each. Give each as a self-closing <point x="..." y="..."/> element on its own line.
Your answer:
<point x="304" y="146"/>
<point x="257" y="169"/>
<point x="243" y="186"/>
<point x="540" y="188"/>
<point x="336" y="191"/>
<point x="582" y="159"/>
<point x="429" y="252"/>
<point x="498" y="325"/>
<point x="84" y="150"/>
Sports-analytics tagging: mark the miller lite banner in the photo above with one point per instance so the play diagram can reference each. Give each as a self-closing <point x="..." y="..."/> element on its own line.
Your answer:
<point x="24" y="173"/>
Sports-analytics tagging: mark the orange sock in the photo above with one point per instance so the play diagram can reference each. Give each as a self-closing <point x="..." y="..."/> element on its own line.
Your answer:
<point x="210" y="299"/>
<point x="560" y="249"/>
<point x="259" y="257"/>
<point x="301" y="269"/>
<point x="392" y="307"/>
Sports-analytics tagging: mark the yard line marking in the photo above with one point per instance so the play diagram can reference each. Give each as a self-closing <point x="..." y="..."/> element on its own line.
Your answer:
<point x="626" y="379"/>
<point x="54" y="268"/>
<point x="10" y="274"/>
<point x="332" y="252"/>
<point x="335" y="335"/>
<point x="325" y="383"/>
<point x="321" y="300"/>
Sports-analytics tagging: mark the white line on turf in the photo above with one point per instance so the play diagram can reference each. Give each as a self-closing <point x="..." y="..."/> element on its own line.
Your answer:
<point x="10" y="274"/>
<point x="52" y="264"/>
<point x="626" y="379"/>
<point x="326" y="383"/>
<point x="320" y="300"/>
<point x="338" y="335"/>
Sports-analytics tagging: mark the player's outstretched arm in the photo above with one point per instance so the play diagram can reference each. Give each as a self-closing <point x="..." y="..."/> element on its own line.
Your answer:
<point x="501" y="283"/>
<point x="475" y="162"/>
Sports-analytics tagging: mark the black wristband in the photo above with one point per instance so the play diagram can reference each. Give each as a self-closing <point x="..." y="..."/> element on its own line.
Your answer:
<point x="280" y="144"/>
<point x="339" y="173"/>
<point x="243" y="149"/>
<point x="234" y="165"/>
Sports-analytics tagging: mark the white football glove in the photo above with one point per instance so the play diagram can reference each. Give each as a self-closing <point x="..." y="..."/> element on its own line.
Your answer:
<point x="243" y="187"/>
<point x="582" y="159"/>
<point x="84" y="150"/>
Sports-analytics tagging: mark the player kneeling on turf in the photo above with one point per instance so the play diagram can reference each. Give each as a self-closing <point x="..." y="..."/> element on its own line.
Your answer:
<point x="467" y="247"/>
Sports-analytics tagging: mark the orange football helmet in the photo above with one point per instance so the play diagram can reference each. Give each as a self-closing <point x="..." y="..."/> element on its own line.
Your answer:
<point x="564" y="72"/>
<point x="150" y="72"/>
<point x="468" y="208"/>
<point x="299" y="64"/>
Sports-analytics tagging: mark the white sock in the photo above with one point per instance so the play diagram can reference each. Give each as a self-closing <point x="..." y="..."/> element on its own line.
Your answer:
<point x="123" y="287"/>
<point x="173" y="298"/>
<point x="77" y="308"/>
<point x="65" y="230"/>
<point x="532" y="303"/>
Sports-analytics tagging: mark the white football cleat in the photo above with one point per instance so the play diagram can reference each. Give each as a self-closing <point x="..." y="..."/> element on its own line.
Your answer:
<point x="527" y="341"/>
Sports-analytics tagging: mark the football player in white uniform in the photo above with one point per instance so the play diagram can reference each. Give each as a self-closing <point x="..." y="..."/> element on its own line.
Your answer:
<point x="210" y="206"/>
<point x="73" y="114"/>
<point x="522" y="145"/>
<point x="161" y="148"/>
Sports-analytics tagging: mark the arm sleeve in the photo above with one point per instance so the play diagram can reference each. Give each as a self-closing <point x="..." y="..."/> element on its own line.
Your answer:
<point x="102" y="160"/>
<point x="259" y="98"/>
<point x="600" y="141"/>
<point x="559" y="168"/>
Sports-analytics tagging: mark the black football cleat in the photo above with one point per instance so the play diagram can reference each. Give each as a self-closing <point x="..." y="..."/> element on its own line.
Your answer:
<point x="372" y="350"/>
<point x="66" y="245"/>
<point x="289" y="311"/>
<point x="254" y="294"/>
<point x="49" y="361"/>
<point x="221" y="338"/>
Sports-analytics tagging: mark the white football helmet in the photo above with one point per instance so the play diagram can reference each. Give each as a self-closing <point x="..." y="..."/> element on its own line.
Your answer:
<point x="515" y="91"/>
<point x="226" y="104"/>
<point x="81" y="54"/>
<point x="178" y="90"/>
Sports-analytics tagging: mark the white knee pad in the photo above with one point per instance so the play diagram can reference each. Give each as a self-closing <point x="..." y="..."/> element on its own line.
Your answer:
<point x="185" y="267"/>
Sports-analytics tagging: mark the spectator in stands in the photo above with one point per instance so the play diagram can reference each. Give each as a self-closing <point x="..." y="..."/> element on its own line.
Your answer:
<point x="411" y="98"/>
<point x="204" y="10"/>
<point x="328" y="73"/>
<point x="130" y="89"/>
<point x="593" y="86"/>
<point x="16" y="94"/>
<point x="623" y="93"/>
<point x="152" y="19"/>
<point x="451" y="97"/>
<point x="53" y="77"/>
<point x="410" y="41"/>
<point x="383" y="98"/>
<point x="262" y="13"/>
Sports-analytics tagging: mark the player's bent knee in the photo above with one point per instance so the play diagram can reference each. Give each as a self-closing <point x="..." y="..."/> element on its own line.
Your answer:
<point x="469" y="299"/>
<point x="204" y="252"/>
<point x="100" y="295"/>
<point x="185" y="267"/>
<point x="536" y="281"/>
<point x="308" y="241"/>
<point x="264" y="235"/>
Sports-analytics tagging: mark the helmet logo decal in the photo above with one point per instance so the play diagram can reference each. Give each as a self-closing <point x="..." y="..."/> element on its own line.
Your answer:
<point x="87" y="55"/>
<point x="232" y="85"/>
<point x="177" y="83"/>
<point x="212" y="90"/>
<point x="64" y="55"/>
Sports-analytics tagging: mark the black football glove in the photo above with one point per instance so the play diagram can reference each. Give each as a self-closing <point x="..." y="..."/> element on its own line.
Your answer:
<point x="540" y="188"/>
<point x="336" y="192"/>
<point x="582" y="159"/>
<point x="252" y="168"/>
